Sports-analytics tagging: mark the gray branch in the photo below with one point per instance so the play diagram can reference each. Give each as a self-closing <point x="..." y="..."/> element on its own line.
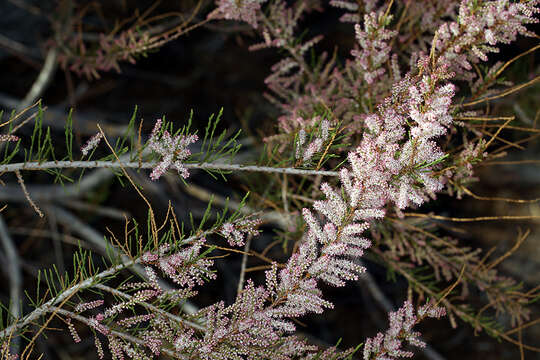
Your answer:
<point x="148" y="165"/>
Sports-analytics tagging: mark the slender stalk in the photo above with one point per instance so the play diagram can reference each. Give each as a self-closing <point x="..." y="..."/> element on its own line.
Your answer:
<point x="148" y="165"/>
<point x="244" y="264"/>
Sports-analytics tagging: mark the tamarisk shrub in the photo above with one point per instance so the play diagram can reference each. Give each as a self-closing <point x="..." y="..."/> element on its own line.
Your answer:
<point x="374" y="134"/>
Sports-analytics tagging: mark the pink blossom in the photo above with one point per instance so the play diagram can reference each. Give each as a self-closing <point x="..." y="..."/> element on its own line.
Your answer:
<point x="88" y="305"/>
<point x="244" y="10"/>
<point x="388" y="345"/>
<point x="173" y="151"/>
<point x="8" y="137"/>
<point x="92" y="143"/>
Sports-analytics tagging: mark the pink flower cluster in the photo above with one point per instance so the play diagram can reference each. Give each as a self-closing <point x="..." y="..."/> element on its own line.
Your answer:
<point x="8" y="137"/>
<point x="88" y="305"/>
<point x="185" y="267"/>
<point x="387" y="346"/>
<point x="244" y="10"/>
<point x="306" y="152"/>
<point x="463" y="173"/>
<point x="113" y="48"/>
<point x="92" y="143"/>
<point x="261" y="315"/>
<point x="396" y="156"/>
<point x="479" y="27"/>
<point x="173" y="151"/>
<point x="392" y="165"/>
<point x="236" y="233"/>
<point x="386" y="167"/>
<point x="241" y="330"/>
<point x="73" y="331"/>
<point x="351" y="8"/>
<point x="374" y="48"/>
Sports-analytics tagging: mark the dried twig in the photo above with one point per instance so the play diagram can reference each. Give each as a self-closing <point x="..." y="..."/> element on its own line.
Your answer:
<point x="26" y="194"/>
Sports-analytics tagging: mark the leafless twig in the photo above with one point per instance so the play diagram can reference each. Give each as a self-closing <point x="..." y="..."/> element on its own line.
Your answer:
<point x="148" y="165"/>
<point x="247" y="247"/>
<point x="27" y="194"/>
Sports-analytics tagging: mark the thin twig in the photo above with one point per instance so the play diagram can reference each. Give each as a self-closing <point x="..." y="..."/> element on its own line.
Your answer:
<point x="247" y="247"/>
<point x="450" y="306"/>
<point x="55" y="192"/>
<point x="497" y="133"/>
<point x="504" y="93"/>
<point x="518" y="243"/>
<point x="148" y="165"/>
<point x="26" y="194"/>
<point x="480" y="218"/>
<point x="489" y="198"/>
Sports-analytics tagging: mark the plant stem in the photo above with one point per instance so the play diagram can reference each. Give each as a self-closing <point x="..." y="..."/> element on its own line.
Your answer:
<point x="148" y="165"/>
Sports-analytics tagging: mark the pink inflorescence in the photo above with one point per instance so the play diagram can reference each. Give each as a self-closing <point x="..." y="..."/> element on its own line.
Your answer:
<point x="244" y="10"/>
<point x="73" y="331"/>
<point x="173" y="151"/>
<point x="8" y="137"/>
<point x="92" y="143"/>
<point x="387" y="346"/>
<point x="185" y="267"/>
<point x="88" y="305"/>
<point x="235" y="233"/>
<point x="374" y="50"/>
<point x="306" y="152"/>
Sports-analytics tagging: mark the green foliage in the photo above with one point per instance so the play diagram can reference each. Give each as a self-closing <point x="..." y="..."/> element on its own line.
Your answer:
<point x="214" y="147"/>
